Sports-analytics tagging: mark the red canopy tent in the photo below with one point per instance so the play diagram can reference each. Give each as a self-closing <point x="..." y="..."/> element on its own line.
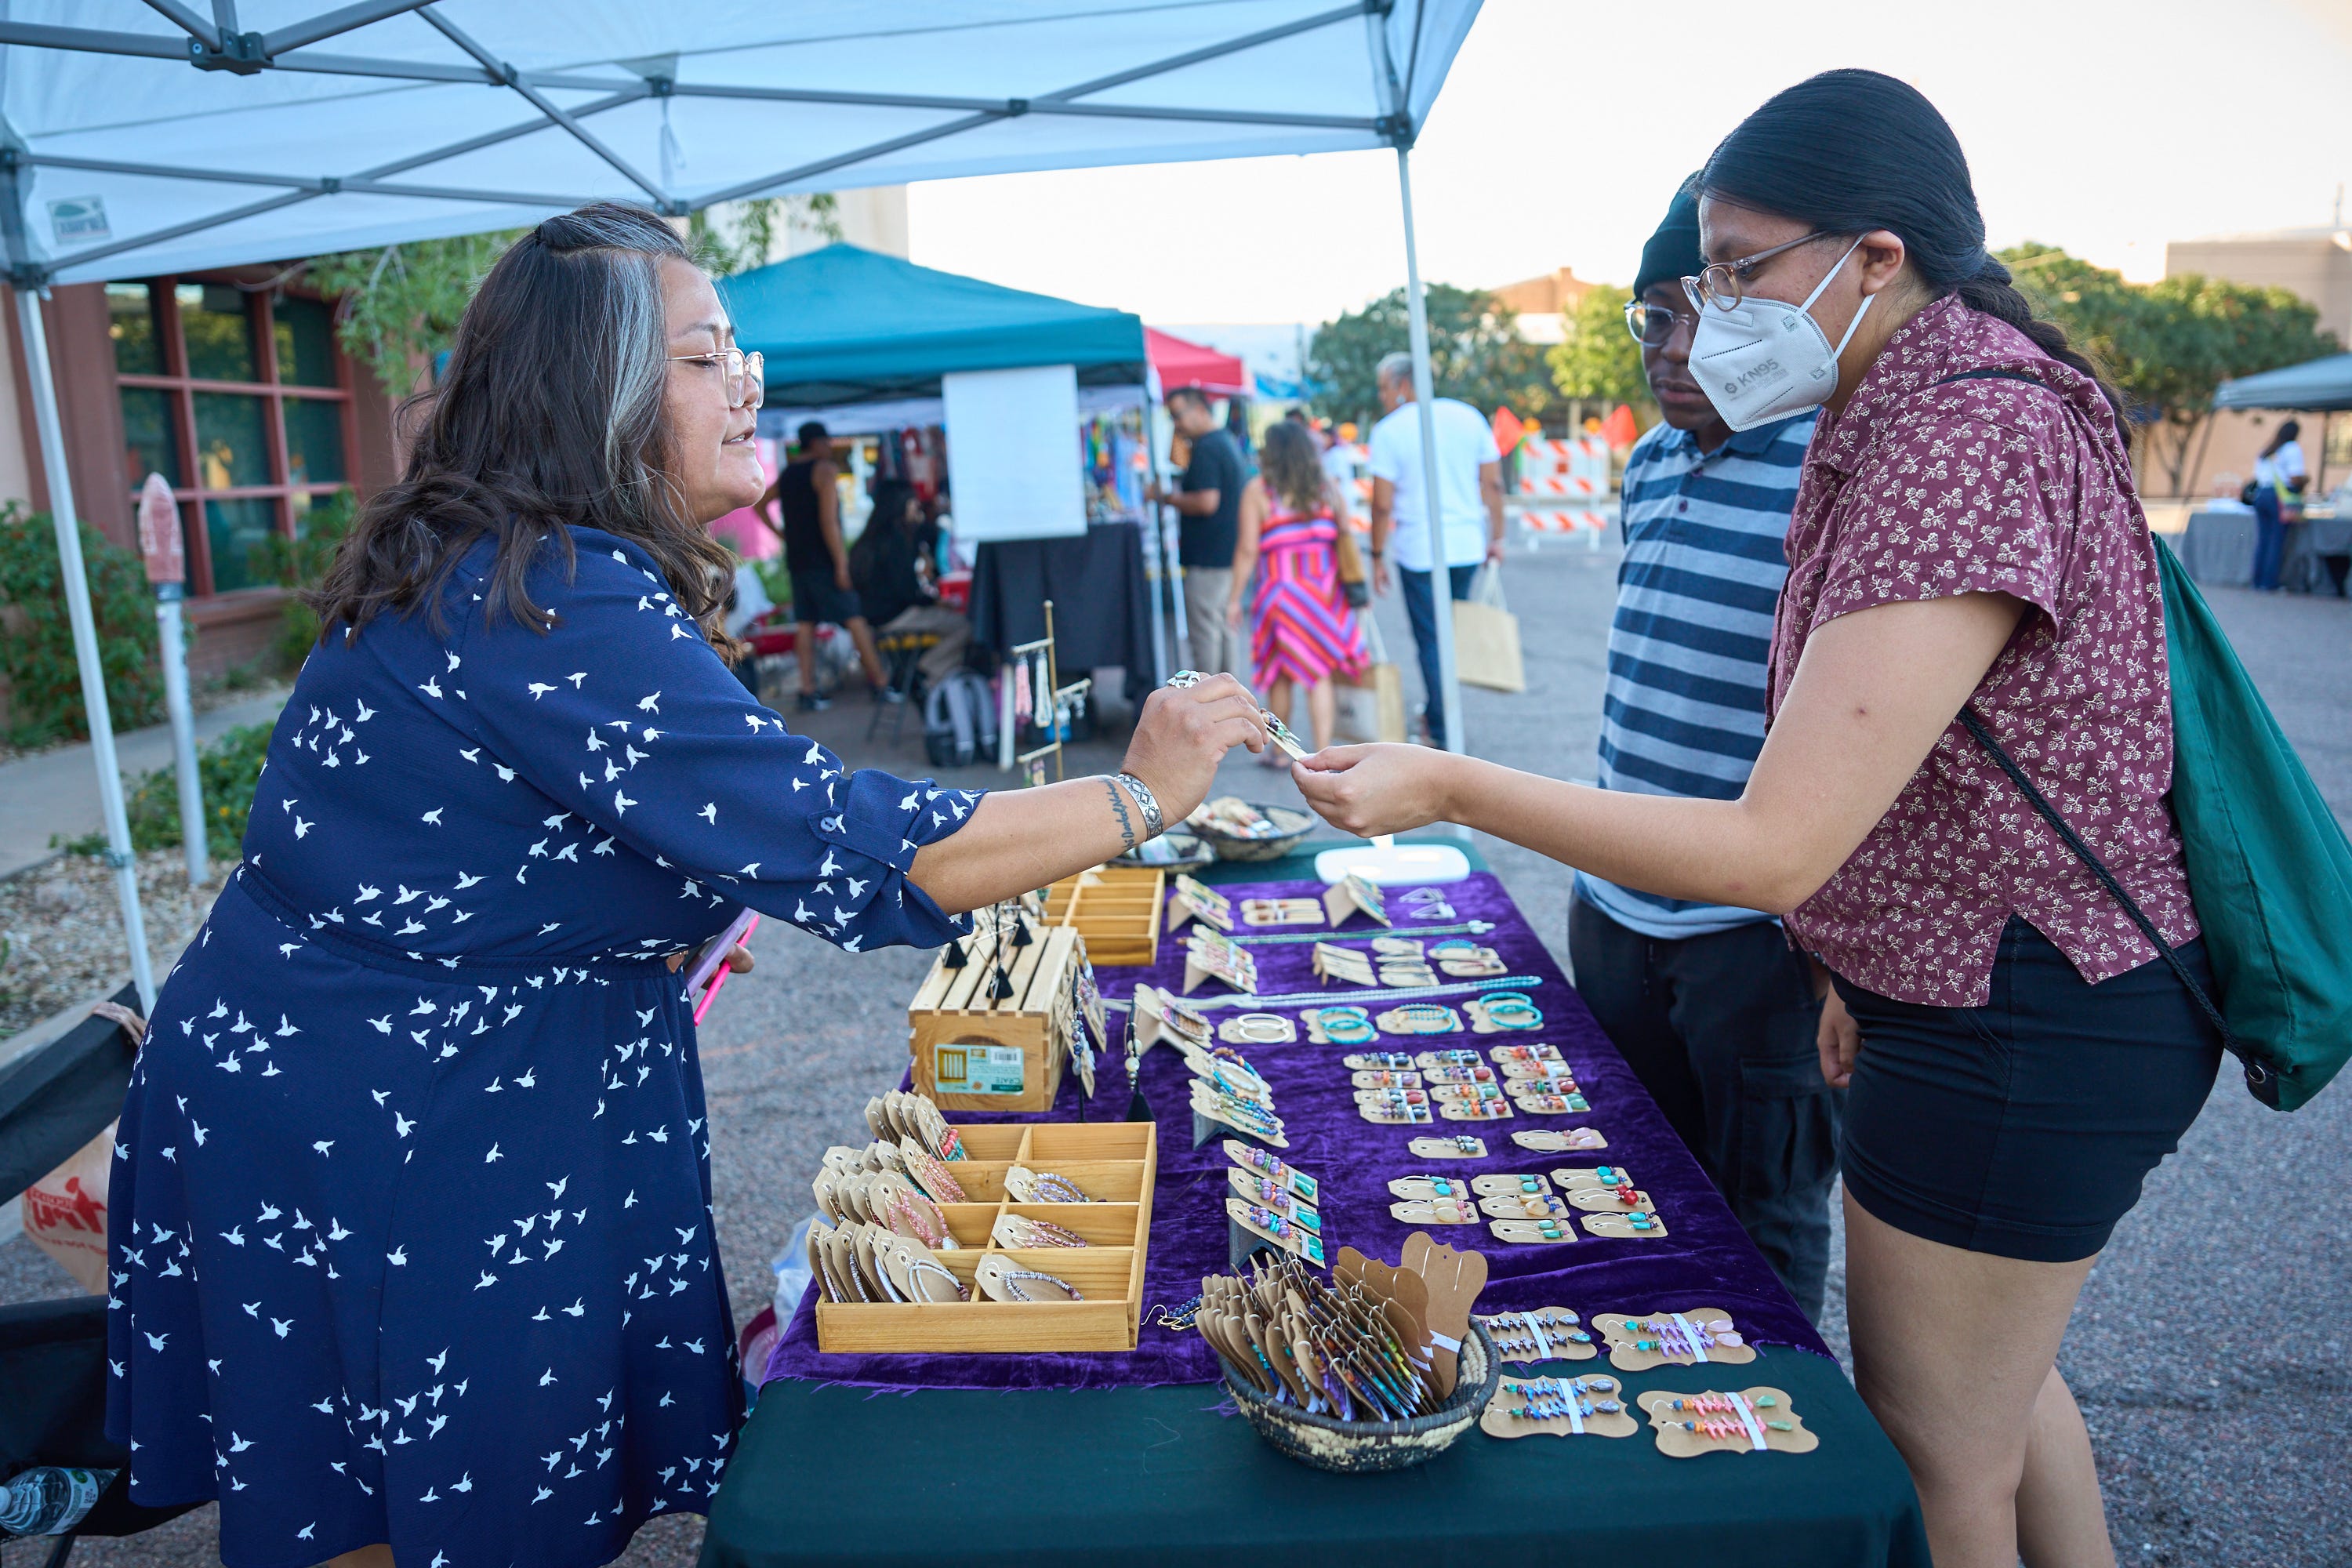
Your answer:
<point x="1180" y="364"/>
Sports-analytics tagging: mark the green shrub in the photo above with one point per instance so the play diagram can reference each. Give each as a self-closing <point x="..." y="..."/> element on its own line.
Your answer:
<point x="37" y="651"/>
<point x="226" y="769"/>
<point x="301" y="563"/>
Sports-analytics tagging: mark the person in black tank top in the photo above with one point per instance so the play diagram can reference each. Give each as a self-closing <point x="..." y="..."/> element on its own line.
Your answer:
<point x="818" y="561"/>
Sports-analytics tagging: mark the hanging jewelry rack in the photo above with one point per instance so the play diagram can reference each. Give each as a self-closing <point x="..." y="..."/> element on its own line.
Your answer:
<point x="1055" y="705"/>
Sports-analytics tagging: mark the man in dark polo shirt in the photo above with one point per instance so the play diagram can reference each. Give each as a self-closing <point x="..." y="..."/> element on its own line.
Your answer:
<point x="1208" y="500"/>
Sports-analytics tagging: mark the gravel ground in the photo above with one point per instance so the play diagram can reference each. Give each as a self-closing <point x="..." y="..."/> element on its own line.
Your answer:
<point x="2207" y="1350"/>
<point x="63" y="926"/>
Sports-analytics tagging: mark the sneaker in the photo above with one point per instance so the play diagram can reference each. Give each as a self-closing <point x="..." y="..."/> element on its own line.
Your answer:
<point x="810" y="702"/>
<point x="888" y="694"/>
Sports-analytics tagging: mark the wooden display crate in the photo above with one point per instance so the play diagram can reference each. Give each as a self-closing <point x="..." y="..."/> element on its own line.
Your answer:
<point x="1114" y="1162"/>
<point x="1116" y="909"/>
<point x="961" y="1037"/>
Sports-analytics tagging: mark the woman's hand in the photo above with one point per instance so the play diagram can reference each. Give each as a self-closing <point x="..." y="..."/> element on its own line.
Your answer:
<point x="739" y="961"/>
<point x="1840" y="1040"/>
<point x="1183" y="733"/>
<point x="1366" y="789"/>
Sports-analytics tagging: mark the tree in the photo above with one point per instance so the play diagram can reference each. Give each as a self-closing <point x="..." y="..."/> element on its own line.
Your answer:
<point x="399" y="306"/>
<point x="1598" y="359"/>
<point x="2167" y="345"/>
<point x="1475" y="353"/>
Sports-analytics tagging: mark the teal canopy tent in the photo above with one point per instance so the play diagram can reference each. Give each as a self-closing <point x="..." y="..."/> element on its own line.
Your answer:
<point x="2317" y="386"/>
<point x="846" y="325"/>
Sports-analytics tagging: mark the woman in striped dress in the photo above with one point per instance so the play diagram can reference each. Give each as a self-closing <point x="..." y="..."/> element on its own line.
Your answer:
<point x="1304" y="632"/>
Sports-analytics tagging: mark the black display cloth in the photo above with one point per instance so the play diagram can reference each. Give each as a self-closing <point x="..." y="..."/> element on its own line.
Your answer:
<point x="1102" y="601"/>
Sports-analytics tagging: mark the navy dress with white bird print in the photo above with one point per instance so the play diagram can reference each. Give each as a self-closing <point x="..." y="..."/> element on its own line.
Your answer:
<point x="411" y="1234"/>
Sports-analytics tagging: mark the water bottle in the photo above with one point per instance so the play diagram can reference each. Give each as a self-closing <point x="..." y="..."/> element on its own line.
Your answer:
<point x="49" y="1501"/>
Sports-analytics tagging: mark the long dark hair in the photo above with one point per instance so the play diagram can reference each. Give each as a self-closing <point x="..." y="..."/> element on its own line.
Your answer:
<point x="887" y="528"/>
<point x="550" y="413"/>
<point x="2287" y="431"/>
<point x="1851" y="151"/>
<point x="1292" y="467"/>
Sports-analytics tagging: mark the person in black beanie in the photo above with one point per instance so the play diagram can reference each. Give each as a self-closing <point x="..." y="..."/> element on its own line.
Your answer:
<point x="1712" y="1009"/>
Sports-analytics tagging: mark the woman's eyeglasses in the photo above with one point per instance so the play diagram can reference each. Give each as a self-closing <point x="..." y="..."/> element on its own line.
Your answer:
<point x="1651" y="325"/>
<point x="1722" y="285"/>
<point x="745" y="374"/>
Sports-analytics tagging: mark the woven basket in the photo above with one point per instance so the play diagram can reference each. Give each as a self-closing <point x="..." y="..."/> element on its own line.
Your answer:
<point x="1365" y="1447"/>
<point x="1295" y="824"/>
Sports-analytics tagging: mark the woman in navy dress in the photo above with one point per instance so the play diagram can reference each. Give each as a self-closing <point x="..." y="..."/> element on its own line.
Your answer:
<point x="413" y="1247"/>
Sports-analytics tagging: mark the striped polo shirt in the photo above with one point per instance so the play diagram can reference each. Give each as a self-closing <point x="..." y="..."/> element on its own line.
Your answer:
<point x="1683" y="713"/>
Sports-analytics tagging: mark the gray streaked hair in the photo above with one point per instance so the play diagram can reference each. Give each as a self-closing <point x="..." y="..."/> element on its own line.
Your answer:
<point x="1397" y="366"/>
<point x="551" y="412"/>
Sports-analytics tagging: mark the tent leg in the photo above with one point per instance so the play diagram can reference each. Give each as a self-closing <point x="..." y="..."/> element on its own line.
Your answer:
<point x="1448" y="698"/>
<point x="75" y="580"/>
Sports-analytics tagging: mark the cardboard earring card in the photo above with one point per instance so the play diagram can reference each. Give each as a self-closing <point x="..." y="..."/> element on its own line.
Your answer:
<point x="1274" y="1196"/>
<point x="1352" y="895"/>
<point x="1192" y="899"/>
<point x="1482" y="1110"/>
<point x="1297" y="1182"/>
<point x="1460" y="1146"/>
<point x="1209" y="956"/>
<point x="1434" y="1211"/>
<point x="1282" y="912"/>
<point x="1158" y="1015"/>
<point x="1552" y="1104"/>
<point x="1525" y="1205"/>
<point x="1290" y="1238"/>
<point x="1557" y="1408"/>
<point x="1540" y="1333"/>
<point x="1748" y="1421"/>
<point x="1533" y="1051"/>
<point x="1532" y="1231"/>
<point x="1560" y="1140"/>
<point x="1686" y="1338"/>
<point x="1639" y="1225"/>
<point x="1385" y="1077"/>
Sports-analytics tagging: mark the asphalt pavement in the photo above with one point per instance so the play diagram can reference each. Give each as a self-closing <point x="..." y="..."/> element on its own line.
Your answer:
<point x="2208" y="1352"/>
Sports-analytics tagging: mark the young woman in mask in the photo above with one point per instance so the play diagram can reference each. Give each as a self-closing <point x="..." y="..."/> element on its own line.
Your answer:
<point x="1965" y="541"/>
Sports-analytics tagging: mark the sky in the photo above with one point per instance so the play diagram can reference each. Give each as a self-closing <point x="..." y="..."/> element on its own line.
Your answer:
<point x="2108" y="127"/>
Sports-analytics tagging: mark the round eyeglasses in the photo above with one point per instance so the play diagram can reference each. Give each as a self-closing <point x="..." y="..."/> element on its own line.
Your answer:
<point x="1722" y="285"/>
<point x="745" y="374"/>
<point x="1651" y="325"/>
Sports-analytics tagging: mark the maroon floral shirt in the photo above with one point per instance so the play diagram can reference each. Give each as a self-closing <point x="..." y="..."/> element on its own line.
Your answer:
<point x="1919" y="491"/>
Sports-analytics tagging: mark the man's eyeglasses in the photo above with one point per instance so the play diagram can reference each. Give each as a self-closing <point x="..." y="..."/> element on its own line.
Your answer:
<point x="745" y="374"/>
<point x="1651" y="325"/>
<point x="1723" y="284"/>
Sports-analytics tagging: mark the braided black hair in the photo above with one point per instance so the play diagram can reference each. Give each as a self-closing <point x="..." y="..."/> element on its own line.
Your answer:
<point x="1851" y="151"/>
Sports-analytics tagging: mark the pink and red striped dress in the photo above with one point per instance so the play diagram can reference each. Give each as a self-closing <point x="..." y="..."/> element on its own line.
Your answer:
<point x="1303" y="627"/>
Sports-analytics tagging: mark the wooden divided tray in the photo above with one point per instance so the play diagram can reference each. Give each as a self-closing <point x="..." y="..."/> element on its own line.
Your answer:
<point x="1115" y="908"/>
<point x="1113" y="1161"/>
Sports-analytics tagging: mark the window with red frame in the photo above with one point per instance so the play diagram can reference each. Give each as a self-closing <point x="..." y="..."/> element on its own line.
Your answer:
<point x="241" y="400"/>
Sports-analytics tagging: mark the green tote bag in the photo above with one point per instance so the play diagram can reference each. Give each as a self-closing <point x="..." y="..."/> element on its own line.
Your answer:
<point x="2269" y="869"/>
<point x="2268" y="866"/>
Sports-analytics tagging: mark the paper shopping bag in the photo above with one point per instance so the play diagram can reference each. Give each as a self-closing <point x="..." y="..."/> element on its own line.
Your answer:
<point x="1371" y="705"/>
<point x="1487" y="638"/>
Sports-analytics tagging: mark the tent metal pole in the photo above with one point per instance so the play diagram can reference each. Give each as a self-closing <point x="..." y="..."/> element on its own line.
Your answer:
<point x="36" y="339"/>
<point x="1448" y="697"/>
<point x="328" y="24"/>
<point x="545" y="105"/>
<point x="187" y="21"/>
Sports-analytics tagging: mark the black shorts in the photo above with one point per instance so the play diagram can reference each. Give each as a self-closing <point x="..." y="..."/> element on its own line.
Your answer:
<point x="2024" y="1128"/>
<point x="817" y="597"/>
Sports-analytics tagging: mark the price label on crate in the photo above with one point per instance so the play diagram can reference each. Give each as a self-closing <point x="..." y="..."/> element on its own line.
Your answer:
<point x="970" y="1069"/>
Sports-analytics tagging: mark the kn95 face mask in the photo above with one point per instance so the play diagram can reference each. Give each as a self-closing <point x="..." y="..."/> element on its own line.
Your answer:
<point x="1760" y="360"/>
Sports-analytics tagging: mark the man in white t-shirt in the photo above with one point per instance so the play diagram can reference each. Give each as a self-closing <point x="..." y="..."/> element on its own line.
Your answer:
<point x="1470" y="501"/>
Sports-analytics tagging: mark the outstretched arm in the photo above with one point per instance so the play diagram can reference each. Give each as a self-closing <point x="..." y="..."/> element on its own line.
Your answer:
<point x="1872" y="692"/>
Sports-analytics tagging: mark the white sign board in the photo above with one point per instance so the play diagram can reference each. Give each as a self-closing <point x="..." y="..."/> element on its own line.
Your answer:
<point x="1012" y="453"/>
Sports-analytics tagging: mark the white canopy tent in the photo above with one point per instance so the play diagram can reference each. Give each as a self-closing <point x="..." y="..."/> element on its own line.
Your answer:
<point x="138" y="139"/>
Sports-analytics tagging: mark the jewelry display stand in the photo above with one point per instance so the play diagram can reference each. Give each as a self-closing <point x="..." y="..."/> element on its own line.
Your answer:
<point x="1114" y="1162"/>
<point x="977" y="1051"/>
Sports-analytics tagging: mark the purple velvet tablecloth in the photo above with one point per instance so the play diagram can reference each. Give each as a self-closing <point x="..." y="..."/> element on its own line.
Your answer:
<point x="1707" y="1260"/>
